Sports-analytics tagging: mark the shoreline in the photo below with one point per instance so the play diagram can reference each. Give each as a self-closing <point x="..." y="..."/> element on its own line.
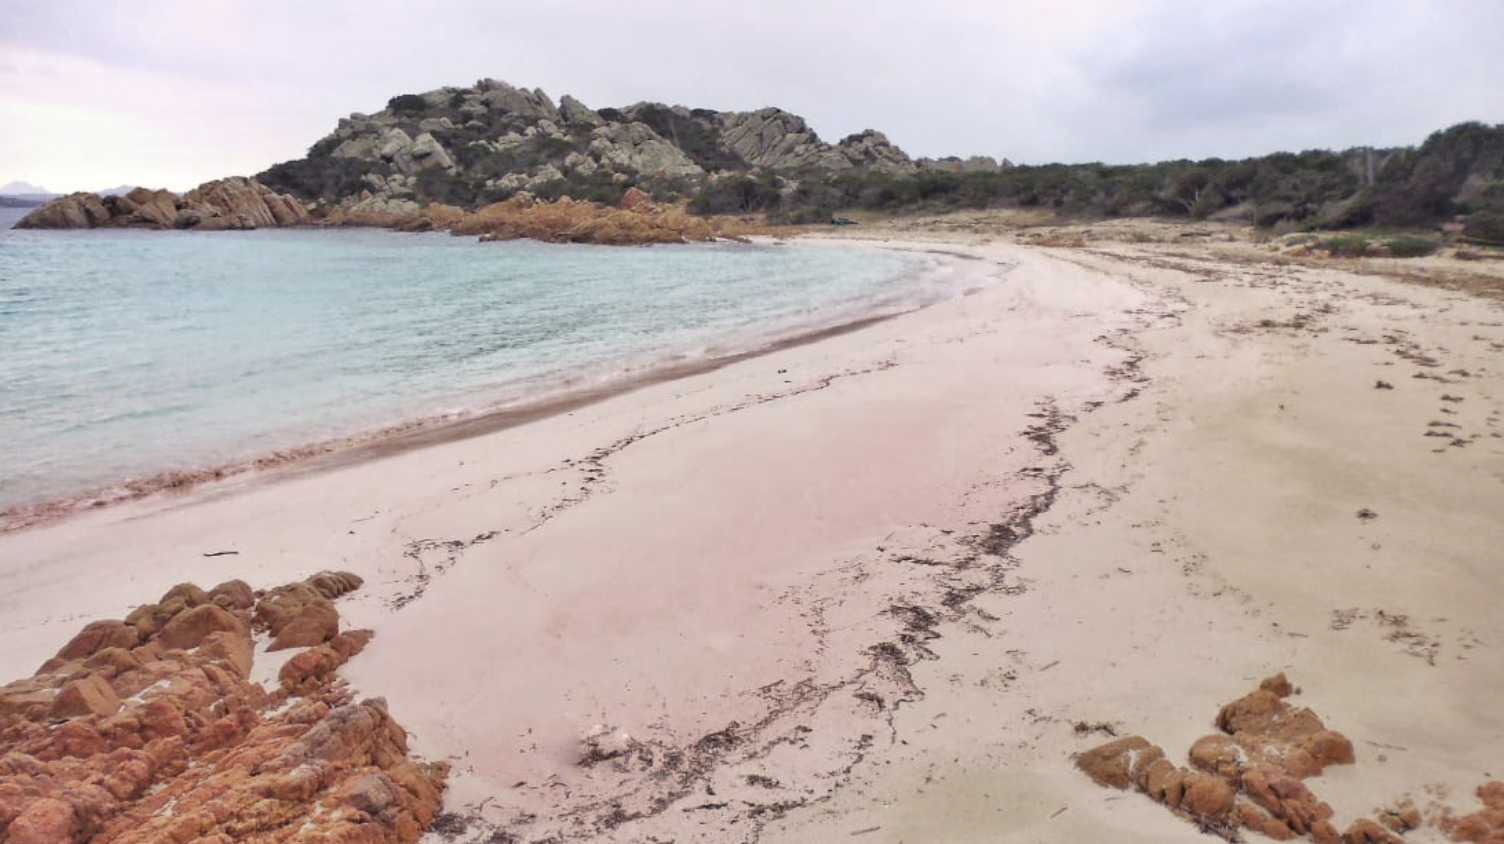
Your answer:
<point x="752" y="501"/>
<point x="417" y="432"/>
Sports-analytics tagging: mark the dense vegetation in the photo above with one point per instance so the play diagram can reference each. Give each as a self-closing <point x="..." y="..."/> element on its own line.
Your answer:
<point x="1456" y="172"/>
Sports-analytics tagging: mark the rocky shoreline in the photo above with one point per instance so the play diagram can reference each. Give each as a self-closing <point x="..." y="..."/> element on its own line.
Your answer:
<point x="240" y="204"/>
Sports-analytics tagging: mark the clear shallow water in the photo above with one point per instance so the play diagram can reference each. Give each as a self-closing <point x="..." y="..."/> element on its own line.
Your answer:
<point x="124" y="354"/>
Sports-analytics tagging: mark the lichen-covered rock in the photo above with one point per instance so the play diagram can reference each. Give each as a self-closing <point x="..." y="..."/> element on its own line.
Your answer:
<point x="872" y="150"/>
<point x="778" y="140"/>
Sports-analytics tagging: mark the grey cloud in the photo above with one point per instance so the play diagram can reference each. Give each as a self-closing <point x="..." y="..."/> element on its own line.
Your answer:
<point x="1110" y="80"/>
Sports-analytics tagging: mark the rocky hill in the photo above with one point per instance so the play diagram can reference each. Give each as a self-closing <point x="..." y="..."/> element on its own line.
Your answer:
<point x="472" y="146"/>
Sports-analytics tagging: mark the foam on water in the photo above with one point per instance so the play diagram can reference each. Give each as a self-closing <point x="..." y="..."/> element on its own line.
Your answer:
<point x="125" y="354"/>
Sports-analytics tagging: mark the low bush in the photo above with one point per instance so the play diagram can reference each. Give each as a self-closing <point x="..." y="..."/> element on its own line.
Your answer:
<point x="1411" y="247"/>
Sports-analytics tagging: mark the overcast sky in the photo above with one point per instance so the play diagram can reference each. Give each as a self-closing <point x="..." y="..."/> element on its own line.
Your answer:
<point x="169" y="93"/>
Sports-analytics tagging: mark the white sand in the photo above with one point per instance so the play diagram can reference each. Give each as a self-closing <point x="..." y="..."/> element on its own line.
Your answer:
<point x="1207" y="536"/>
<point x="725" y="549"/>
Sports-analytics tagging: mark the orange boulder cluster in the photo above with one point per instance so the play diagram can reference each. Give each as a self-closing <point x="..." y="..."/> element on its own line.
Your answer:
<point x="1249" y="775"/>
<point x="149" y="729"/>
<point x="1485" y="826"/>
<point x="633" y="221"/>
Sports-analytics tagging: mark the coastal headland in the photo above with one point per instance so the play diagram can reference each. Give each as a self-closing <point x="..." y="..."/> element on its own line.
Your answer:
<point x="892" y="583"/>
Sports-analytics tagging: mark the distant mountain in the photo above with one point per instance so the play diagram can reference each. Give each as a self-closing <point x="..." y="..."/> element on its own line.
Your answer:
<point x="27" y="194"/>
<point x="23" y="189"/>
<point x="24" y="195"/>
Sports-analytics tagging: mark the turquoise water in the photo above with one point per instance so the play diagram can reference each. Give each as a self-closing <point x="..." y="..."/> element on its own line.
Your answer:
<point x="124" y="354"/>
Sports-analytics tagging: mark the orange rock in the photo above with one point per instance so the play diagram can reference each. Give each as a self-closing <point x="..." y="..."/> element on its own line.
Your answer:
<point x="1174" y="788"/>
<point x="190" y="594"/>
<point x="1492" y="794"/>
<point x="1110" y="764"/>
<point x="98" y="635"/>
<point x="91" y="695"/>
<point x="1157" y="777"/>
<point x="189" y="736"/>
<point x="1278" y="684"/>
<point x="233" y="595"/>
<point x="232" y="649"/>
<point x="1218" y="754"/>
<point x="1366" y="831"/>
<point x="1207" y="795"/>
<point x="1256" y="819"/>
<point x="333" y="584"/>
<point x="314" y="624"/>
<point x="1251" y="713"/>
<point x="1322" y="832"/>
<point x="1143" y="762"/>
<point x="188" y="629"/>
<point x="1329" y="748"/>
<point x="1485" y="826"/>
<point x="78" y="739"/>
<point x="44" y="821"/>
<point x="112" y="662"/>
<point x="297" y="615"/>
<point x="315" y="664"/>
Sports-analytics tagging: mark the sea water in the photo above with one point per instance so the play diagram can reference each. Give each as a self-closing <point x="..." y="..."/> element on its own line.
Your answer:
<point x="124" y="354"/>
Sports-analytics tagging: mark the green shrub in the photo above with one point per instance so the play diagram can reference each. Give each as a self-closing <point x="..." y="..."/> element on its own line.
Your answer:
<point x="1486" y="226"/>
<point x="1346" y="245"/>
<point x="1411" y="247"/>
<point x="407" y="104"/>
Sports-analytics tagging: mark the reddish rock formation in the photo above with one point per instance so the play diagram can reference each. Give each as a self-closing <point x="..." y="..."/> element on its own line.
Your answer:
<point x="635" y="220"/>
<point x="1247" y="776"/>
<point x="232" y="203"/>
<point x="299" y="615"/>
<point x="149" y="730"/>
<point x="1485" y="826"/>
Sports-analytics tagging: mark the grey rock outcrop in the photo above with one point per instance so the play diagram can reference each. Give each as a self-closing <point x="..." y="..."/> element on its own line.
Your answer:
<point x="576" y="113"/>
<point x="636" y="147"/>
<point x="872" y="150"/>
<point x="777" y="140"/>
<point x="493" y="139"/>
<point x="973" y="164"/>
